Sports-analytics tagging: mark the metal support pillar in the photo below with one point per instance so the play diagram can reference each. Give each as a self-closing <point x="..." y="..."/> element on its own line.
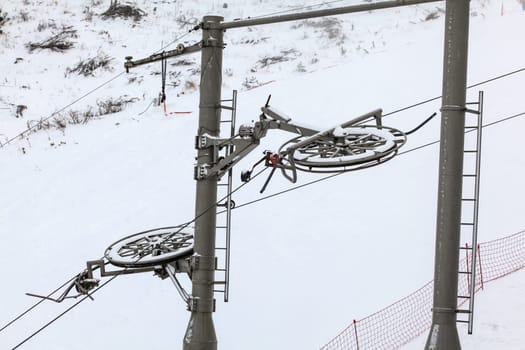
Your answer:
<point x="443" y="333"/>
<point x="200" y="334"/>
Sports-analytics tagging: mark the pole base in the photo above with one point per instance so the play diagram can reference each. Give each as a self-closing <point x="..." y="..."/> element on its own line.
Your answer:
<point x="443" y="337"/>
<point x="200" y="334"/>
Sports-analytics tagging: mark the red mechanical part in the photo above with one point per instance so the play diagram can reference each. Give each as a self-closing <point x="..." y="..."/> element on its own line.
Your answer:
<point x="273" y="159"/>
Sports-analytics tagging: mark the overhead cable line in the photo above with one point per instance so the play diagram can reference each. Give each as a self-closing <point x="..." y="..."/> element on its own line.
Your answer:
<point x="421" y="125"/>
<point x="63" y="108"/>
<point x="236" y="207"/>
<point x="36" y="304"/>
<point x="337" y="174"/>
<point x="181" y="227"/>
<point x="505" y="75"/>
<point x="197" y="27"/>
<point x="92" y="91"/>
<point x="293" y="9"/>
<point x="64" y="312"/>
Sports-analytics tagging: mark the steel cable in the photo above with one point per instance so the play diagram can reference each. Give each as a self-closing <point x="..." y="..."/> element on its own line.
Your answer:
<point x="62" y="109"/>
<point x="36" y="304"/>
<point x="181" y="227"/>
<point x="337" y="174"/>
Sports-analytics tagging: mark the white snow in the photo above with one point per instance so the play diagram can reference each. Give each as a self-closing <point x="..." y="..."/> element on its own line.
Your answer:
<point x="304" y="264"/>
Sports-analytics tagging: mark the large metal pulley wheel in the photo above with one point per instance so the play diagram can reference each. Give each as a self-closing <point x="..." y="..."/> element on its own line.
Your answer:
<point x="345" y="149"/>
<point x="151" y="248"/>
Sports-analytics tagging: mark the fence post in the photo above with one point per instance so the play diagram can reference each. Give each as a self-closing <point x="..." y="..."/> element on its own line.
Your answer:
<point x="480" y="269"/>
<point x="355" y="331"/>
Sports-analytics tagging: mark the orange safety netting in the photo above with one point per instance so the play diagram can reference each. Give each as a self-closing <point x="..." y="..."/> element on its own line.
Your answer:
<point x="409" y="317"/>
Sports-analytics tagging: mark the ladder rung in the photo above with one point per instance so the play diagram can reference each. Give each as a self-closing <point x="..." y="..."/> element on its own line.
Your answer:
<point x="220" y="269"/>
<point x="227" y="107"/>
<point x="466" y="248"/>
<point x="222" y="184"/>
<point x="220" y="282"/>
<point x="470" y="151"/>
<point x="231" y="100"/>
<point x="463" y="297"/>
<point x="473" y="111"/>
<point x="467" y="223"/>
<point x="469" y="175"/>
<point x="468" y="199"/>
<point x="221" y="226"/>
<point x="226" y="121"/>
<point x="220" y="248"/>
<point x="471" y="127"/>
<point x="462" y="321"/>
<point x="472" y="103"/>
<point x="460" y="311"/>
<point x="218" y="291"/>
<point x="465" y="272"/>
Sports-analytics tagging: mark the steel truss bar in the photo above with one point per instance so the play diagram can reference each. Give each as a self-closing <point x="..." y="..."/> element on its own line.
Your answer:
<point x="180" y="50"/>
<point x="318" y="13"/>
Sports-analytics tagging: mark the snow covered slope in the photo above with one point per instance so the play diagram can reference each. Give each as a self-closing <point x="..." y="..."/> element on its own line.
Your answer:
<point x="304" y="264"/>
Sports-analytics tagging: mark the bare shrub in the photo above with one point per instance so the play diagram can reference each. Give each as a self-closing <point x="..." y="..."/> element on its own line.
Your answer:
<point x="111" y="105"/>
<point x="61" y="120"/>
<point x="88" y="66"/>
<point x="58" y="42"/>
<point x="80" y="117"/>
<point x="20" y="110"/>
<point x="88" y="14"/>
<point x="117" y="10"/>
<point x="45" y="25"/>
<point x="24" y="16"/>
<point x="183" y="62"/>
<point x="3" y="20"/>
<point x="330" y="27"/>
<point x="301" y="68"/>
<point x="286" y="55"/>
<point x="37" y="125"/>
<point x="186" y="21"/>
<point x="59" y="123"/>
<point x="253" y="40"/>
<point x="434" y="14"/>
<point x="250" y="83"/>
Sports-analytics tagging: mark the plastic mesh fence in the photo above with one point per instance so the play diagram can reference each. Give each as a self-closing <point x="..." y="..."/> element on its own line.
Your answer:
<point x="409" y="317"/>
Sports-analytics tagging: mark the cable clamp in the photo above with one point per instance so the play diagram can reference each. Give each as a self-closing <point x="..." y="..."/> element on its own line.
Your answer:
<point x="205" y="141"/>
<point x="200" y="262"/>
<point x="444" y="310"/>
<point x="453" y="108"/>
<point x="197" y="304"/>
<point x="212" y="42"/>
<point x="200" y="172"/>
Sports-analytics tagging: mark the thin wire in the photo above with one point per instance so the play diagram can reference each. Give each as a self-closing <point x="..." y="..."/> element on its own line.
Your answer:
<point x="92" y="91"/>
<point x="293" y="9"/>
<point x="288" y="190"/>
<point x="421" y="125"/>
<point x="125" y="269"/>
<point x="471" y="130"/>
<point x="36" y="304"/>
<point x="178" y="39"/>
<point x="65" y="311"/>
<point x="337" y="174"/>
<point x="63" y="108"/>
<point x="240" y="206"/>
<point x="468" y="87"/>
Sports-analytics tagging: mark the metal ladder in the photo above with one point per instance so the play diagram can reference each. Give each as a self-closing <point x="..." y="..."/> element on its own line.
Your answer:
<point x="224" y="190"/>
<point x="470" y="204"/>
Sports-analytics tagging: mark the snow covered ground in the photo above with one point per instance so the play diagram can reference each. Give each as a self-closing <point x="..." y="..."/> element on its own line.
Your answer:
<point x="304" y="264"/>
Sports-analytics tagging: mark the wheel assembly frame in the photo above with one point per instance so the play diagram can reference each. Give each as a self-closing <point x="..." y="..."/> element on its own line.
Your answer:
<point x="151" y="248"/>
